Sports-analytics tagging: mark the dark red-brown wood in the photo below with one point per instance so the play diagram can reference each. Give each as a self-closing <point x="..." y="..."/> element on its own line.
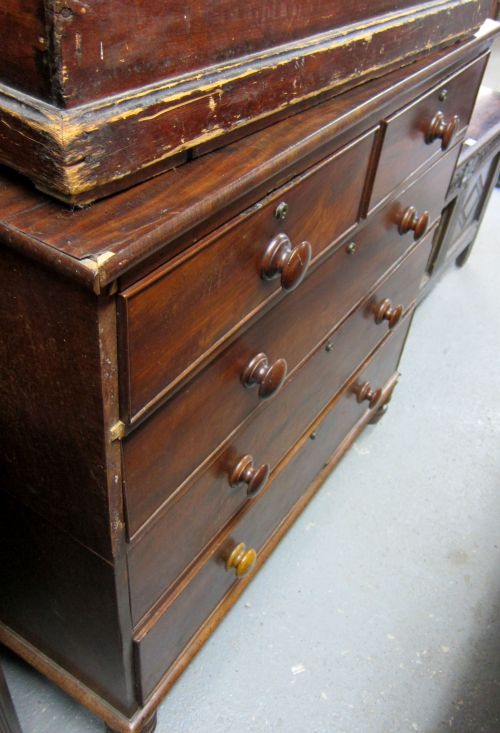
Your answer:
<point x="24" y="59"/>
<point x="72" y="567"/>
<point x="268" y="377"/>
<point x="153" y="221"/>
<point x="410" y="136"/>
<point x="155" y="365"/>
<point x="53" y="50"/>
<point x="267" y="437"/>
<point x="121" y="110"/>
<point x="200" y="297"/>
<point x="217" y="397"/>
<point x="159" y="643"/>
<point x="475" y="177"/>
<point x="52" y="421"/>
<point x="64" y="599"/>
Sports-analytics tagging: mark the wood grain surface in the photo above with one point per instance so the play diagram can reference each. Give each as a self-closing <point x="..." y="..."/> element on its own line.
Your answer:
<point x="201" y="296"/>
<point x="163" y="216"/>
<point x="97" y="48"/>
<point x="75" y="572"/>
<point x="204" y="505"/>
<point x="63" y="599"/>
<point x="217" y="395"/>
<point x="164" y="347"/>
<point x="136" y="123"/>
<point x="167" y="633"/>
<point x="52" y="452"/>
<point x="404" y="149"/>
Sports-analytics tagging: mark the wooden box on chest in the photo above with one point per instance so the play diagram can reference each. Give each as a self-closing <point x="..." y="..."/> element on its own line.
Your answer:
<point x="95" y="96"/>
<point x="183" y="363"/>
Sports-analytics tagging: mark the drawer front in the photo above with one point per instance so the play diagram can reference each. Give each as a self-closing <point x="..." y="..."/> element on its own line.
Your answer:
<point x="159" y="643"/>
<point x="198" y="418"/>
<point x="172" y="318"/>
<point x="408" y="133"/>
<point x="207" y="503"/>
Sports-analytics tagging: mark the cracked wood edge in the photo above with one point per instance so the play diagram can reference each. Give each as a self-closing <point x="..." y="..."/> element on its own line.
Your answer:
<point x="99" y="271"/>
<point x="78" y="155"/>
<point x="87" y="271"/>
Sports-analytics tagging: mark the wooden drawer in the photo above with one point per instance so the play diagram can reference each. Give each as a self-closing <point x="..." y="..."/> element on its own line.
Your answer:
<point x="407" y="134"/>
<point x="204" y="505"/>
<point x="172" y="318"/>
<point x="216" y="394"/>
<point x="162" y="639"/>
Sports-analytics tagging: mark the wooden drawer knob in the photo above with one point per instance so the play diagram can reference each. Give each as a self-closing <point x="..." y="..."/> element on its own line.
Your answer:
<point x="245" y="473"/>
<point x="412" y="220"/>
<point x="268" y="376"/>
<point x="280" y="258"/>
<point x="440" y="129"/>
<point x="385" y="311"/>
<point x="365" y="393"/>
<point x="241" y="559"/>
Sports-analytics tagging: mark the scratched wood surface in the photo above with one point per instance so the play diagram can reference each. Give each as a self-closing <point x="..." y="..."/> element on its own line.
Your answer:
<point x="41" y="343"/>
<point x="63" y="526"/>
<point x="128" y="111"/>
<point x="24" y="61"/>
<point x="224" y="272"/>
<point x="77" y="51"/>
<point x="146" y="225"/>
<point x="99" y="49"/>
<point x="403" y="150"/>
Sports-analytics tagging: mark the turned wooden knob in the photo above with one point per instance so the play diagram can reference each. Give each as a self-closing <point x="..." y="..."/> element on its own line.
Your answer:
<point x="241" y="559"/>
<point x="385" y="311"/>
<point x="365" y="393"/>
<point x="245" y="473"/>
<point x="440" y="129"/>
<point x="291" y="263"/>
<point x="412" y="220"/>
<point x="268" y="376"/>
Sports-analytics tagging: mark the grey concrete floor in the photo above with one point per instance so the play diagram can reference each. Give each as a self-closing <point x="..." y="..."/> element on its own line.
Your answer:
<point x="379" y="612"/>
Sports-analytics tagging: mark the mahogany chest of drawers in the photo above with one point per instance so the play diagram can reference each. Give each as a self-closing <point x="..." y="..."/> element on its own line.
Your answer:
<point x="182" y="364"/>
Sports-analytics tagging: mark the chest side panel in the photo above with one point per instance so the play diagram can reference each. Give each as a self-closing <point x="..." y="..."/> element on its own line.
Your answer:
<point x="52" y="452"/>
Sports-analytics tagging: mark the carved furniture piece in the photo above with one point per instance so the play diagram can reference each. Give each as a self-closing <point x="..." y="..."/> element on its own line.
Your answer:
<point x="96" y="96"/>
<point x="475" y="177"/>
<point x="182" y="364"/>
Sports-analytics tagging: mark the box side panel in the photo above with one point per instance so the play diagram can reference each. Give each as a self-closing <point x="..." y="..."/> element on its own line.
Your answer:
<point x="24" y="40"/>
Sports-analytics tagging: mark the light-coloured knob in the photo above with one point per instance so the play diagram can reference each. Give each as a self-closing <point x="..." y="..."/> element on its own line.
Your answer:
<point x="241" y="560"/>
